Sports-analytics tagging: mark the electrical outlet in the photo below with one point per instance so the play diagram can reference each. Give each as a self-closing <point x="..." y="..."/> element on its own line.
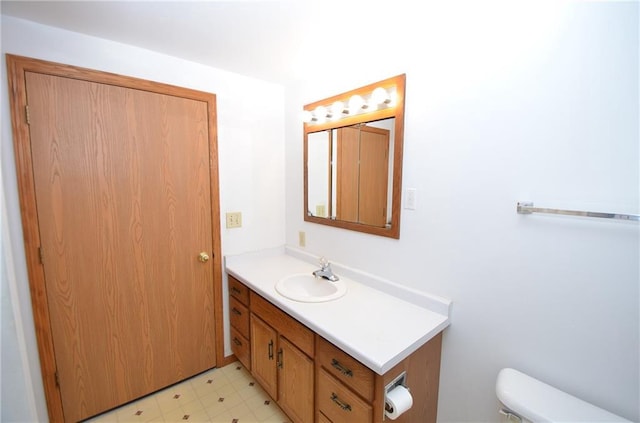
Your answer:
<point x="321" y="210"/>
<point x="234" y="220"/>
<point x="410" y="199"/>
<point x="302" y="238"/>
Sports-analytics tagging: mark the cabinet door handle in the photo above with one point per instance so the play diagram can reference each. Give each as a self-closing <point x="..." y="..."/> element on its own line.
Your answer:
<point x="344" y="406"/>
<point x="336" y="364"/>
<point x="234" y="289"/>
<point x="237" y="341"/>
<point x="236" y="311"/>
<point x="271" y="350"/>
<point x="280" y="358"/>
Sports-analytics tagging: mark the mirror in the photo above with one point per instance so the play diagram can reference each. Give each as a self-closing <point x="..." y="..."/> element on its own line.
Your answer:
<point x="353" y="158"/>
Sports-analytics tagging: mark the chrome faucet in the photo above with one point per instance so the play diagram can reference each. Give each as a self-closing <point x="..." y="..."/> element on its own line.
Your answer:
<point x="325" y="271"/>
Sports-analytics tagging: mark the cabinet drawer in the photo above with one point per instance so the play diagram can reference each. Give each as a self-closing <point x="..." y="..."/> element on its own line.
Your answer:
<point x="346" y="369"/>
<point x="322" y="418"/>
<point x="238" y="290"/>
<point x="239" y="316"/>
<point x="241" y="348"/>
<point x="338" y="403"/>
<point x="299" y="335"/>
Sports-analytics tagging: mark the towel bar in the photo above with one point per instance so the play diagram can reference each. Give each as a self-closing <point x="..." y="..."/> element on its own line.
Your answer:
<point x="528" y="208"/>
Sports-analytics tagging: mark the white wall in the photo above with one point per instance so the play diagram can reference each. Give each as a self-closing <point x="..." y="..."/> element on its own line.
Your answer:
<point x="251" y="165"/>
<point x="504" y="103"/>
<point x="507" y="102"/>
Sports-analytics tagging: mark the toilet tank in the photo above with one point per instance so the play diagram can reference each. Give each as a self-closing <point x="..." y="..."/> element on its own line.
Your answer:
<point x="535" y="401"/>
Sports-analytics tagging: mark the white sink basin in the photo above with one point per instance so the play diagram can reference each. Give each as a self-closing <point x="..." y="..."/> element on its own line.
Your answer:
<point x="305" y="287"/>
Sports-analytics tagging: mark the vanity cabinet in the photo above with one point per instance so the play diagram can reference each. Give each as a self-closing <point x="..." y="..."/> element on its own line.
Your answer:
<point x="312" y="380"/>
<point x="348" y="391"/>
<point x="282" y="358"/>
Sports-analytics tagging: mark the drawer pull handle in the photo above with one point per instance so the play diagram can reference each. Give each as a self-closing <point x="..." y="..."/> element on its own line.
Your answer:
<point x="237" y="341"/>
<point x="236" y="311"/>
<point x="271" y="350"/>
<point x="336" y="364"/>
<point x="280" y="360"/>
<point x="334" y="398"/>
<point x="236" y="290"/>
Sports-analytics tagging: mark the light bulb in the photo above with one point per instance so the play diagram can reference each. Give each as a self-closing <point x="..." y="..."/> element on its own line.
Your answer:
<point x="321" y="114"/>
<point x="307" y="116"/>
<point x="355" y="104"/>
<point x="337" y="108"/>
<point x="379" y="96"/>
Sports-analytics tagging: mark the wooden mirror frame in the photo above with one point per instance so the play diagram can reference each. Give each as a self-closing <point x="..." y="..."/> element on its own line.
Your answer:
<point x="397" y="85"/>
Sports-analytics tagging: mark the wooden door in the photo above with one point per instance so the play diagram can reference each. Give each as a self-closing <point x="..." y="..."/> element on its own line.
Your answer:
<point x="295" y="383"/>
<point x="347" y="173"/>
<point x="263" y="356"/>
<point x="374" y="172"/>
<point x="122" y="197"/>
<point x="362" y="175"/>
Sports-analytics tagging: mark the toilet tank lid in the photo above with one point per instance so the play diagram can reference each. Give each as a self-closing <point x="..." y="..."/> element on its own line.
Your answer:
<point x="539" y="402"/>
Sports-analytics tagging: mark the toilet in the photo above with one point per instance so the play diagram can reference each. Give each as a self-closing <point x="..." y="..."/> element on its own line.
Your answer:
<point x="528" y="400"/>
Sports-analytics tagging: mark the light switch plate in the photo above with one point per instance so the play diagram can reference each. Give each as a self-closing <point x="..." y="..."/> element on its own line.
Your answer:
<point x="234" y="220"/>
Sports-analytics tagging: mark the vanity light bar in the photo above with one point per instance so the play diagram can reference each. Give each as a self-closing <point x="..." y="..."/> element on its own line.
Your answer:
<point x="379" y="98"/>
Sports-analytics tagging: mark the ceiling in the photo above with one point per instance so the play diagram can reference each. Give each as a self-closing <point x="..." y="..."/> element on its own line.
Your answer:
<point x="271" y="40"/>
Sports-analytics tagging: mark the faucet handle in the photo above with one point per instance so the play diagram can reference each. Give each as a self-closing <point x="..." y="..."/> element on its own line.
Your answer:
<point x="324" y="262"/>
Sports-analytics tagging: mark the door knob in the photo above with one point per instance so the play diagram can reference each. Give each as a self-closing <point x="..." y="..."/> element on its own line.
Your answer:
<point x="203" y="257"/>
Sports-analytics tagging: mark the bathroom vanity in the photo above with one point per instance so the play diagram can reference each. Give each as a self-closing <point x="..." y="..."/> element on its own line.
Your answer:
<point x="336" y="360"/>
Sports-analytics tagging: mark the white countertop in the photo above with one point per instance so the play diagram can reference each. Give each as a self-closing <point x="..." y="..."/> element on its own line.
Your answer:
<point x="378" y="328"/>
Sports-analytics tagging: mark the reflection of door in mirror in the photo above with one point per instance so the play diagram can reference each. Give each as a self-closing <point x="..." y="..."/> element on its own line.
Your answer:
<point x="347" y="173"/>
<point x="361" y="175"/>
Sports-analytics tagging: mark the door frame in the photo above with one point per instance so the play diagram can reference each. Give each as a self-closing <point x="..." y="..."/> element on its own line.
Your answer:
<point x="17" y="66"/>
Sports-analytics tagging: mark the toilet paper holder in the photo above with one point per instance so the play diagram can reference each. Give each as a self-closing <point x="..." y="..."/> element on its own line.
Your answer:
<point x="399" y="380"/>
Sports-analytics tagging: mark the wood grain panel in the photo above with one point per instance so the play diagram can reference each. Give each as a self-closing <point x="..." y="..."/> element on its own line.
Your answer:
<point x="295" y="383"/>
<point x="347" y="174"/>
<point x="345" y="368"/>
<point x="29" y="212"/>
<point x="285" y="325"/>
<point x="263" y="356"/>
<point x="131" y="307"/>
<point x="423" y="380"/>
<point x="238" y="290"/>
<point x="100" y="232"/>
<point x="339" y="403"/>
<point x="374" y="169"/>
<point x="322" y="418"/>
<point x="239" y="316"/>
<point x="241" y="348"/>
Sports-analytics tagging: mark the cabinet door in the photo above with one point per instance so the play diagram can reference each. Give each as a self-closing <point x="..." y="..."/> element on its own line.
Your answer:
<point x="263" y="356"/>
<point x="295" y="382"/>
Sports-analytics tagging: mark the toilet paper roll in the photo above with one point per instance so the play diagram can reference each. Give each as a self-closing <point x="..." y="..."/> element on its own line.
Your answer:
<point x="398" y="400"/>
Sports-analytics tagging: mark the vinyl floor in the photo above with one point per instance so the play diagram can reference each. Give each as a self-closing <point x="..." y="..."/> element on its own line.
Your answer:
<point x="225" y="395"/>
